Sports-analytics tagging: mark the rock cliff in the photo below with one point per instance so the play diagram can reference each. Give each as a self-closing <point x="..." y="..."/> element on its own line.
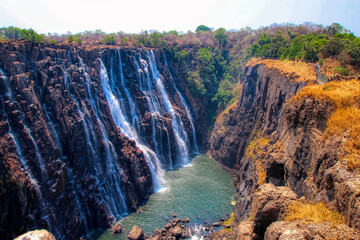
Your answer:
<point x="269" y="138"/>
<point x="86" y="133"/>
<point x="259" y="107"/>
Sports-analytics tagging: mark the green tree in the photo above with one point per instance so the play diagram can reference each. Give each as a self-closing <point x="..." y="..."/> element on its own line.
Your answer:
<point x="124" y="41"/>
<point x="202" y="28"/>
<point x="11" y="32"/>
<point x="221" y="37"/>
<point x="32" y="36"/>
<point x="78" y="40"/>
<point x="196" y="84"/>
<point x="334" y="29"/>
<point x="70" y="38"/>
<point x="225" y="91"/>
<point x="332" y="48"/>
<point x="109" y="40"/>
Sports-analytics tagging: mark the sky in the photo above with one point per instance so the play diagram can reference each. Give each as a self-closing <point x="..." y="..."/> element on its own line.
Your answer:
<point x="134" y="16"/>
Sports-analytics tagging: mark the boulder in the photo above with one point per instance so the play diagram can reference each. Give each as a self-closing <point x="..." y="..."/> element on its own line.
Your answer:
<point x="216" y="224"/>
<point x="300" y="230"/>
<point x="185" y="220"/>
<point x="269" y="204"/>
<point x="36" y="235"/>
<point x="346" y="188"/>
<point x="136" y="233"/>
<point x="176" y="231"/>
<point x="284" y="230"/>
<point x="245" y="231"/>
<point x="117" y="228"/>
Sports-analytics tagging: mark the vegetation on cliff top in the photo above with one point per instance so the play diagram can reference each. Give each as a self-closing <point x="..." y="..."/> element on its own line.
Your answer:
<point x="213" y="61"/>
<point x="299" y="71"/>
<point x="345" y="97"/>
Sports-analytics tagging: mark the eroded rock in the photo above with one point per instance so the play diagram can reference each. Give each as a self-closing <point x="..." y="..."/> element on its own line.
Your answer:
<point x="36" y="235"/>
<point x="136" y="233"/>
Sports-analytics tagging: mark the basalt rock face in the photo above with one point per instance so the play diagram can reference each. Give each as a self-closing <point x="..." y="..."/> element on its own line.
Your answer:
<point x="259" y="107"/>
<point x="85" y="135"/>
<point x="274" y="140"/>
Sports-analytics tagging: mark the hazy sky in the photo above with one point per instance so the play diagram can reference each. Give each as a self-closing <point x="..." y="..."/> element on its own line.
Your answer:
<point x="133" y="16"/>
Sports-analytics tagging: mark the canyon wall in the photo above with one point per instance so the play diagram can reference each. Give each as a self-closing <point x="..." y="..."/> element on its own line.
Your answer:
<point x="271" y="140"/>
<point x="86" y="134"/>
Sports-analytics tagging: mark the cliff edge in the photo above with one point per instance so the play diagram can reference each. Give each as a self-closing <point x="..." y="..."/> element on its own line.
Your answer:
<point x="290" y="133"/>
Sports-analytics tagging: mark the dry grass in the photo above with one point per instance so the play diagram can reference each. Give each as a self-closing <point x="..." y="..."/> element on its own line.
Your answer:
<point x="312" y="213"/>
<point x="299" y="71"/>
<point x="345" y="119"/>
<point x="256" y="151"/>
<point x="342" y="94"/>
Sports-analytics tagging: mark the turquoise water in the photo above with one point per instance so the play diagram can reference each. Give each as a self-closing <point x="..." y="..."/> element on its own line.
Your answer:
<point x="201" y="191"/>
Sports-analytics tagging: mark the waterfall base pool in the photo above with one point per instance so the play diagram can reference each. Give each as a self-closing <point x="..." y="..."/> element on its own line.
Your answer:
<point x="201" y="191"/>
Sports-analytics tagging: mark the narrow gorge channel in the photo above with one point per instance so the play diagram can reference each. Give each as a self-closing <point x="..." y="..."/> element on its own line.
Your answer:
<point x="200" y="191"/>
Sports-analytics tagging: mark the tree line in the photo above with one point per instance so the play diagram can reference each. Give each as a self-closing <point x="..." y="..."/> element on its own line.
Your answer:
<point x="214" y="60"/>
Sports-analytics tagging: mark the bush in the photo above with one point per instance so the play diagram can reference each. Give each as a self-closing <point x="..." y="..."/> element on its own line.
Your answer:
<point x="70" y="38"/>
<point x="341" y="70"/>
<point x="332" y="48"/>
<point x="196" y="84"/>
<point x="109" y="40"/>
<point x="124" y="41"/>
<point x="32" y="36"/>
<point x="78" y="40"/>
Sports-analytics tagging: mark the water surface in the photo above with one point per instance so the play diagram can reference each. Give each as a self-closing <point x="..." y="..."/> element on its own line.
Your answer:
<point x="201" y="191"/>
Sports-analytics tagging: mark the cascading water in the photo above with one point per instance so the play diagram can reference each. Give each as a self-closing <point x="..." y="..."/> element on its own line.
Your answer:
<point x="39" y="160"/>
<point x="127" y="128"/>
<point x="126" y="115"/>
<point x="111" y="182"/>
<point x="186" y="107"/>
<point x="181" y="138"/>
<point x="73" y="123"/>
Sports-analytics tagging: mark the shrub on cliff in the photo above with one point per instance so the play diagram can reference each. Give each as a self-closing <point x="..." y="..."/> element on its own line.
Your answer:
<point x="32" y="36"/>
<point x="109" y="40"/>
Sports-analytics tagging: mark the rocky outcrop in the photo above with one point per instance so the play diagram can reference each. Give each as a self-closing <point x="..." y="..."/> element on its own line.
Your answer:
<point x="36" y="235"/>
<point x="269" y="205"/>
<point x="174" y="229"/>
<point x="136" y="233"/>
<point x="66" y="162"/>
<point x="270" y="139"/>
<point x="298" y="230"/>
<point x="259" y="107"/>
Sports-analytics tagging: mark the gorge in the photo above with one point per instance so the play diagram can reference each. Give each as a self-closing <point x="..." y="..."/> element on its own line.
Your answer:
<point x="87" y="132"/>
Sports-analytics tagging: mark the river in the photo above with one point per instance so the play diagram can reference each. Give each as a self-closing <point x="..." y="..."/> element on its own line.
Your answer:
<point x="201" y="191"/>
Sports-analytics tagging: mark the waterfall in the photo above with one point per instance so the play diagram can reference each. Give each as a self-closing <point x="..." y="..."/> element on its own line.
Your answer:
<point x="62" y="111"/>
<point x="158" y="104"/>
<point x="186" y="107"/>
<point x="119" y="119"/>
<point x="33" y="181"/>
<point x="181" y="138"/>
<point x="110" y="180"/>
